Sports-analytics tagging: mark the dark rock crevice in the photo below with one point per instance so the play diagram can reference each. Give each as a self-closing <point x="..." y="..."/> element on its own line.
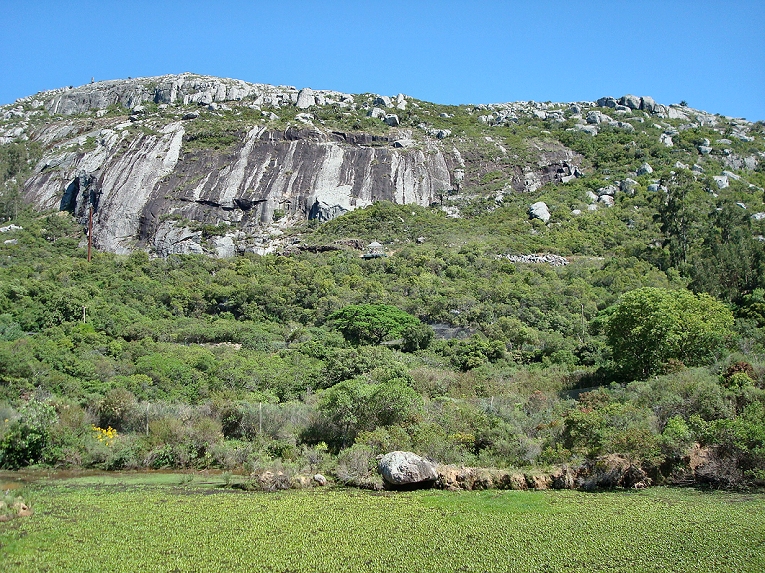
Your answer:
<point x="82" y="192"/>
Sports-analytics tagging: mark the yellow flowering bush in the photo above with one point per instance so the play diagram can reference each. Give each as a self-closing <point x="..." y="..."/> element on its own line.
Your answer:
<point x="106" y="436"/>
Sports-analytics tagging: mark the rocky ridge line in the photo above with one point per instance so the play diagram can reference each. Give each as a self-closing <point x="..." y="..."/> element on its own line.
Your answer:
<point x="153" y="192"/>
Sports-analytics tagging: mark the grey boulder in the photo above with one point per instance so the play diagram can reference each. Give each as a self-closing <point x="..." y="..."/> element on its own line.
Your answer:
<point x="631" y="101"/>
<point x="721" y="181"/>
<point x="391" y="119"/>
<point x="607" y="200"/>
<point x="596" y="117"/>
<point x="608" y="190"/>
<point x="648" y="104"/>
<point x="406" y="468"/>
<point x="540" y="211"/>
<point x="607" y="102"/>
<point x="305" y="99"/>
<point x="628" y="185"/>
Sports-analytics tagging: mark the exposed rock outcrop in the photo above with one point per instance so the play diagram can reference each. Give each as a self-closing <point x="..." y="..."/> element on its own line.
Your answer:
<point x="611" y="471"/>
<point x="131" y="149"/>
<point x="605" y="472"/>
<point x="180" y="89"/>
<point x="146" y="184"/>
<point x="155" y="184"/>
<point x="548" y="259"/>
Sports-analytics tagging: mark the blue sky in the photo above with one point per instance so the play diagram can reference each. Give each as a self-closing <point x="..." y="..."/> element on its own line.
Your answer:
<point x="709" y="53"/>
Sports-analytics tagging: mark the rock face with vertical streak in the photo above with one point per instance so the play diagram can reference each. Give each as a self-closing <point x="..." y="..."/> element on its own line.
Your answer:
<point x="147" y="184"/>
<point x="161" y="164"/>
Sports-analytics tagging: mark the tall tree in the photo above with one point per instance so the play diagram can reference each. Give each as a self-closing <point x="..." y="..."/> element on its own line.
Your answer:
<point x="649" y="327"/>
<point x="681" y="213"/>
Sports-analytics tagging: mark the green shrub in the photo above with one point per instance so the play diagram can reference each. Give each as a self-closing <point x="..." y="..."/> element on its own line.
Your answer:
<point x="357" y="466"/>
<point x="416" y="337"/>
<point x="676" y="438"/>
<point x="371" y="323"/>
<point x="649" y="327"/>
<point x="116" y="408"/>
<point x="25" y="439"/>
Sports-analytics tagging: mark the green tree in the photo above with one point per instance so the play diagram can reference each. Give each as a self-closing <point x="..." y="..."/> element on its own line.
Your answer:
<point x="649" y="327"/>
<point x="681" y="215"/>
<point x="356" y="405"/>
<point x="371" y="323"/>
<point x="345" y="406"/>
<point x="417" y="337"/>
<point x="9" y="329"/>
<point x="476" y="351"/>
<point x="394" y="403"/>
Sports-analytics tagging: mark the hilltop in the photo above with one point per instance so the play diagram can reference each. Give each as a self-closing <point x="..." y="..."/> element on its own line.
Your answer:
<point x="165" y="159"/>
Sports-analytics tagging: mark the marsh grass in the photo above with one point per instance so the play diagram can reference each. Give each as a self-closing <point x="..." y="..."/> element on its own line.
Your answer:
<point x="135" y="524"/>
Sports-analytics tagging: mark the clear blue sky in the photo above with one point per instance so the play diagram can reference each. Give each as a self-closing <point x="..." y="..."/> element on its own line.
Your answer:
<point x="709" y="53"/>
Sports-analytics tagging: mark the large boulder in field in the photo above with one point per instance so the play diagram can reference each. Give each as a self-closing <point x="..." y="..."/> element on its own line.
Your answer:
<point x="406" y="468"/>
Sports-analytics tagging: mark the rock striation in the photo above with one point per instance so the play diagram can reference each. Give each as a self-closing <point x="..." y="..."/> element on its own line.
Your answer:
<point x="145" y="184"/>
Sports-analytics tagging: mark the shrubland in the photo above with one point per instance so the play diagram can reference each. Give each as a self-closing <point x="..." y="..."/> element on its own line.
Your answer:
<point x="648" y="344"/>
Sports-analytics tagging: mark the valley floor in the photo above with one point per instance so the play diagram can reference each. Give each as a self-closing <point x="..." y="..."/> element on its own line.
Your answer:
<point x="192" y="522"/>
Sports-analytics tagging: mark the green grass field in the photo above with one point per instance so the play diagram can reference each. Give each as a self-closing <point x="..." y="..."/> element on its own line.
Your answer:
<point x="165" y="523"/>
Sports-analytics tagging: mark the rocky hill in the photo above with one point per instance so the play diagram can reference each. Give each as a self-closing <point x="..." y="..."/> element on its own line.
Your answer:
<point x="193" y="164"/>
<point x="571" y="285"/>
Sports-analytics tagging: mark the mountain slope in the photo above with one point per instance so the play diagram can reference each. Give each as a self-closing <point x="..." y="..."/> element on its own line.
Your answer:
<point x="196" y="164"/>
<point x="157" y="151"/>
<point x="533" y="307"/>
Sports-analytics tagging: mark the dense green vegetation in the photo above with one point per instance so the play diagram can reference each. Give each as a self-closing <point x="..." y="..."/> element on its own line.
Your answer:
<point x="653" y="530"/>
<point x="650" y="327"/>
<point x="649" y="344"/>
<point x="204" y="362"/>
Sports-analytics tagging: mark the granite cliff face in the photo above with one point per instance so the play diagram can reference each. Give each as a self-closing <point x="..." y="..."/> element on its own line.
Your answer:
<point x="162" y="159"/>
<point x="145" y="185"/>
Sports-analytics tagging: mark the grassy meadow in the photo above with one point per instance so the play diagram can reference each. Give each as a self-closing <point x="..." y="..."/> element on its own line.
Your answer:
<point x="192" y="522"/>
